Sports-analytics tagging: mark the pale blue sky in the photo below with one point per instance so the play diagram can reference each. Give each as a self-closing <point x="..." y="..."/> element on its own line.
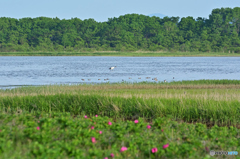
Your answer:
<point x="101" y="10"/>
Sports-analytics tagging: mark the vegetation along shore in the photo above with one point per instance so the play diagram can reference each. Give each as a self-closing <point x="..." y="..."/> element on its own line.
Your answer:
<point x="181" y="119"/>
<point x="131" y="54"/>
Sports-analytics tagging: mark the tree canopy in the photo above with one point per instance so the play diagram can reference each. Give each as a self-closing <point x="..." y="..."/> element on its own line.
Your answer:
<point x="130" y="32"/>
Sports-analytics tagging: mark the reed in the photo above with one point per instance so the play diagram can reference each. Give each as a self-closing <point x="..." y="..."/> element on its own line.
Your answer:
<point x="206" y="101"/>
<point x="209" y="111"/>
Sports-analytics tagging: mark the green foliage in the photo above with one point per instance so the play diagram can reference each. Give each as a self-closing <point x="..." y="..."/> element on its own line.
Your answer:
<point x="54" y="126"/>
<point x="61" y="135"/>
<point x="131" y="32"/>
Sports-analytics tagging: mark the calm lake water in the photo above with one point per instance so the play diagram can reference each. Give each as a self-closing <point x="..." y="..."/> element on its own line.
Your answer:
<point x="35" y="70"/>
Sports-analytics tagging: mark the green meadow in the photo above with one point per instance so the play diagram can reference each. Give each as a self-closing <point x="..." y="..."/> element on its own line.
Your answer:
<point x="184" y="119"/>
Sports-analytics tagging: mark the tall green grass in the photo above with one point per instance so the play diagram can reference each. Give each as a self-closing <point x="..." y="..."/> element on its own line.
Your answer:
<point x="206" y="101"/>
<point x="190" y="110"/>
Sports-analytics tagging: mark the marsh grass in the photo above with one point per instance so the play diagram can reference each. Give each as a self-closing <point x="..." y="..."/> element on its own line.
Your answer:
<point x="120" y="87"/>
<point x="186" y="114"/>
<point x="206" y="101"/>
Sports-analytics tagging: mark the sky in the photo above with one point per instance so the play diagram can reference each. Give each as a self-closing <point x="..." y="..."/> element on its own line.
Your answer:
<point x="101" y="10"/>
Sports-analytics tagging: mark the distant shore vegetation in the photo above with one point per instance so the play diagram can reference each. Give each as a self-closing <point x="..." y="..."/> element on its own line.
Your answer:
<point x="127" y="33"/>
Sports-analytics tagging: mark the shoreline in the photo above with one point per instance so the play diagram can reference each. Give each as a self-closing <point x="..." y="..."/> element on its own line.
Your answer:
<point x="123" y="54"/>
<point x="193" y="84"/>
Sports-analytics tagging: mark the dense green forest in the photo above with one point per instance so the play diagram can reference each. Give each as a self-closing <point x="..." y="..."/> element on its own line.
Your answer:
<point x="131" y="32"/>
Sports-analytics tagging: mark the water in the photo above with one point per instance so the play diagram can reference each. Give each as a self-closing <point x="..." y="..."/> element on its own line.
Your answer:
<point x="35" y="70"/>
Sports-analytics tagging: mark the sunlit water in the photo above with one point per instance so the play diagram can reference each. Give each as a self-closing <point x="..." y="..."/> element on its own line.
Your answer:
<point x="35" y="70"/>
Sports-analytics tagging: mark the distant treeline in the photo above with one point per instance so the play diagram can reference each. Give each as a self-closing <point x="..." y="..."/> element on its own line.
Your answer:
<point x="131" y="32"/>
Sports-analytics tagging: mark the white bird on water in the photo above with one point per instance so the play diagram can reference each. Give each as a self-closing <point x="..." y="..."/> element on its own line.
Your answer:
<point x="111" y="68"/>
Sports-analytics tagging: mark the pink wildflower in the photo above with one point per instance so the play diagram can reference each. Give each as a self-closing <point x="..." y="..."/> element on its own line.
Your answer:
<point x="105" y="158"/>
<point x="38" y="128"/>
<point x="100" y="132"/>
<point x="162" y="130"/>
<point x="123" y="149"/>
<point x="96" y="115"/>
<point x="93" y="139"/>
<point x="85" y="117"/>
<point x="112" y="155"/>
<point x="135" y="121"/>
<point x="206" y="148"/>
<point x="154" y="150"/>
<point x="148" y="126"/>
<point x="165" y="146"/>
<point x="92" y="127"/>
<point x="109" y="123"/>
